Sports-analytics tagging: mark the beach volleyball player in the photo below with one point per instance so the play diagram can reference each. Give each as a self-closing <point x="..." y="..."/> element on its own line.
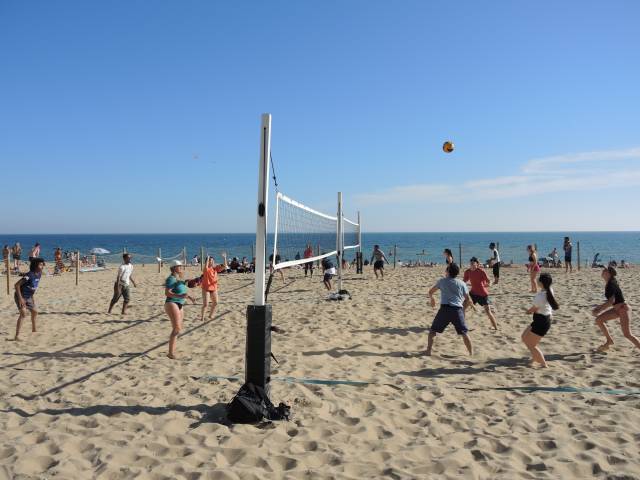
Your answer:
<point x="479" y="294"/>
<point x="378" y="258"/>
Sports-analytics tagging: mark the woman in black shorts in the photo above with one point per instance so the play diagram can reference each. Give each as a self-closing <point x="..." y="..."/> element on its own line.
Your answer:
<point x="543" y="305"/>
<point x="567" y="247"/>
<point x="614" y="307"/>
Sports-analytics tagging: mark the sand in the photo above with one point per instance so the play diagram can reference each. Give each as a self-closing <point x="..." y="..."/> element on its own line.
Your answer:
<point x="93" y="395"/>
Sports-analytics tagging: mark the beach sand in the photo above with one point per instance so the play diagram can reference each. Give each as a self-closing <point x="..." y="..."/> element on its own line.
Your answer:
<point x="93" y="395"/>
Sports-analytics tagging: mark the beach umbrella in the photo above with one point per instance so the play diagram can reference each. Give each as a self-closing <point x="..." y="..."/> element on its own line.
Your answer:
<point x="99" y="251"/>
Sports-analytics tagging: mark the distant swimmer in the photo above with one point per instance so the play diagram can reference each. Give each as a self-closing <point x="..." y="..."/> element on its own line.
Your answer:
<point x="378" y="258"/>
<point x="121" y="287"/>
<point x="494" y="262"/>
<point x="176" y="293"/>
<point x="454" y="296"/>
<point x="544" y="303"/>
<point x="615" y="307"/>
<point x="479" y="281"/>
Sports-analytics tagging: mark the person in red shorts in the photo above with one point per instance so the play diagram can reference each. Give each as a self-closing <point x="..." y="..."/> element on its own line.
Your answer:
<point x="479" y="294"/>
<point x="209" y="284"/>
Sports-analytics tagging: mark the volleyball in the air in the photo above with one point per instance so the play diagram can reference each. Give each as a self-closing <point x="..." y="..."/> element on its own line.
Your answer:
<point x="448" y="146"/>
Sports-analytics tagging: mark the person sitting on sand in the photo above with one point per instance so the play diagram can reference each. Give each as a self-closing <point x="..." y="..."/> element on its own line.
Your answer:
<point x="454" y="296"/>
<point x="614" y="307"/>
<point x="494" y="262"/>
<point x="328" y="270"/>
<point x="544" y="303"/>
<point x="532" y="267"/>
<point x="176" y="293"/>
<point x="209" y="284"/>
<point x="25" y="290"/>
<point x="479" y="292"/>
<point x="121" y="286"/>
<point x="380" y="258"/>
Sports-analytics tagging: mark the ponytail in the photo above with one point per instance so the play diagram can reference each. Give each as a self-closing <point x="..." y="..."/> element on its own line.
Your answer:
<point x="546" y="281"/>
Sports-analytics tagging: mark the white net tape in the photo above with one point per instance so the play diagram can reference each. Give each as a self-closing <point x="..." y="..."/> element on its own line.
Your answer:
<point x="299" y="229"/>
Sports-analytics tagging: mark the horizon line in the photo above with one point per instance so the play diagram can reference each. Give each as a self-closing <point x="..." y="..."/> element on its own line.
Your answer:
<point x="364" y="232"/>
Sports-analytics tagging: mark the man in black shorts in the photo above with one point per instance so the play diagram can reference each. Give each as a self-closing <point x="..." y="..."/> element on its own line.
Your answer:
<point x="479" y="294"/>
<point x="494" y="261"/>
<point x="378" y="258"/>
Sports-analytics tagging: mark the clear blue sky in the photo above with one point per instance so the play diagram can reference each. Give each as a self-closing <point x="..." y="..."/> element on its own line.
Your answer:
<point x="143" y="116"/>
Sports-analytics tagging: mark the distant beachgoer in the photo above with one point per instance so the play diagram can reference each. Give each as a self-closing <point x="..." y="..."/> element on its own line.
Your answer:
<point x="479" y="294"/>
<point x="234" y="265"/>
<point x="544" y="303"/>
<point x="554" y="257"/>
<point x="614" y="307"/>
<point x="308" y="266"/>
<point x="567" y="247"/>
<point x="24" y="296"/>
<point x="328" y="270"/>
<point x="494" y="262"/>
<point x="209" y="284"/>
<point x="195" y="261"/>
<point x="379" y="257"/>
<point x="34" y="252"/>
<point x="121" y="287"/>
<point x="59" y="266"/>
<point x="16" y="253"/>
<point x="176" y="293"/>
<point x="532" y="267"/>
<point x="272" y="266"/>
<point x="448" y="260"/>
<point x="454" y="296"/>
<point x="297" y="257"/>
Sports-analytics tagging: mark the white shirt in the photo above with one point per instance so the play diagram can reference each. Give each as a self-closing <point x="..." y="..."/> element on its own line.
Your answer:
<point x="330" y="271"/>
<point x="540" y="301"/>
<point x="124" y="272"/>
<point x="496" y="256"/>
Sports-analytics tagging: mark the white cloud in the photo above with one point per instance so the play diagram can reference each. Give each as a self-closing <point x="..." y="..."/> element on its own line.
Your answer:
<point x="560" y="173"/>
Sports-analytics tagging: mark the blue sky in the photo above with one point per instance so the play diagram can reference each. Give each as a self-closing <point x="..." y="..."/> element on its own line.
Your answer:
<point x="137" y="116"/>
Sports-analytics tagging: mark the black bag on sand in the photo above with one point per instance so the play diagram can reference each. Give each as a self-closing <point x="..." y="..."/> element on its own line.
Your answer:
<point x="251" y="405"/>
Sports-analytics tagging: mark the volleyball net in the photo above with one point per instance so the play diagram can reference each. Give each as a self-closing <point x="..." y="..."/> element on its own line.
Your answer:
<point x="301" y="234"/>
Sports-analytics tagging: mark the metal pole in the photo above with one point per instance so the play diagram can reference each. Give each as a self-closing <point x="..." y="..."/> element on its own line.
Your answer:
<point x="77" y="265"/>
<point x="578" y="256"/>
<point x="275" y="232"/>
<point x="159" y="259"/>
<point x="340" y="242"/>
<point x="460" y="253"/>
<point x="318" y="254"/>
<point x="202" y="259"/>
<point x="395" y="255"/>
<point x="261" y="223"/>
<point x="359" y="252"/>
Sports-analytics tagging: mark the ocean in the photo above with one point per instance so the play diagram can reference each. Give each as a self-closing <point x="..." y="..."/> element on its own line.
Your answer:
<point x="410" y="246"/>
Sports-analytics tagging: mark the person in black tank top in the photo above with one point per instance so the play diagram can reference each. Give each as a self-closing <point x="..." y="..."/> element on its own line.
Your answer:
<point x="615" y="307"/>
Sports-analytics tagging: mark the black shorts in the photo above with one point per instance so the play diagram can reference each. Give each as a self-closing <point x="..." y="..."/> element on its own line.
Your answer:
<point x="308" y="266"/>
<point x="496" y="269"/>
<point x="567" y="259"/>
<point x="446" y="315"/>
<point x="29" y="302"/>
<point x="541" y="324"/>
<point x="328" y="277"/>
<point x="482" y="300"/>
<point x="378" y="265"/>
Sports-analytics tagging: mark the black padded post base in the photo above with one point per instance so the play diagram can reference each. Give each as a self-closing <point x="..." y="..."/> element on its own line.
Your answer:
<point x="258" y="347"/>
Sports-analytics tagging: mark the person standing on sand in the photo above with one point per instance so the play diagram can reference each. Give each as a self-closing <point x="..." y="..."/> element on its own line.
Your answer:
<point x="380" y="258"/>
<point x="209" y="284"/>
<point x="544" y="303"/>
<point x="121" y="286"/>
<point x="25" y="290"/>
<point x="454" y="296"/>
<point x="176" y="293"/>
<point x="494" y="262"/>
<point x="614" y="307"/>
<point x="479" y="293"/>
<point x="532" y="267"/>
<point x="16" y="252"/>
<point x="567" y="247"/>
<point x="328" y="270"/>
<point x="308" y="253"/>
<point x="34" y="252"/>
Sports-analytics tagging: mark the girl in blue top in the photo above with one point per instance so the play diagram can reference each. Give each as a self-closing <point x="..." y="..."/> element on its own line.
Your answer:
<point x="176" y="292"/>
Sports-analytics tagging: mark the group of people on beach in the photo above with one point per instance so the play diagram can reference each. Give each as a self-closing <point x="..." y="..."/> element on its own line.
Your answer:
<point x="456" y="298"/>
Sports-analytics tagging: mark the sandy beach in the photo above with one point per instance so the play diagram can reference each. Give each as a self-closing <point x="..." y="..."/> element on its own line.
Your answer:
<point x="92" y="395"/>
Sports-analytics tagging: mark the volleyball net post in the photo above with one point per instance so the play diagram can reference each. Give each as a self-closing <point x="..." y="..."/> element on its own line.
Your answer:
<point x="258" y="342"/>
<point x="359" y="251"/>
<point x="340" y="241"/>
